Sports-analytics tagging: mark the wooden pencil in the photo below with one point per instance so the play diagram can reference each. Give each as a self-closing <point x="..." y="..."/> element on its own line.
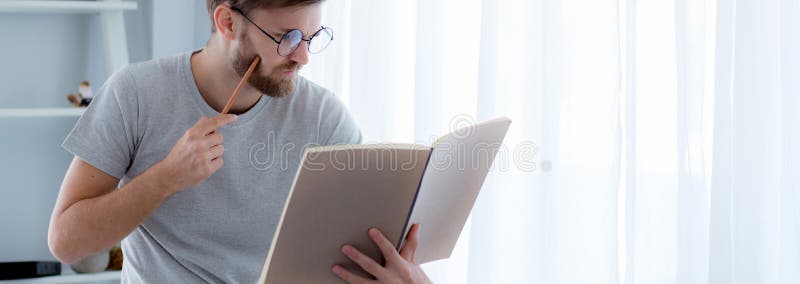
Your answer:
<point x="241" y="85"/>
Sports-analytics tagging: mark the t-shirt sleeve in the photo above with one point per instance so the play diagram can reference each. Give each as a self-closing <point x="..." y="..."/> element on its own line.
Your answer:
<point x="106" y="134"/>
<point x="337" y="125"/>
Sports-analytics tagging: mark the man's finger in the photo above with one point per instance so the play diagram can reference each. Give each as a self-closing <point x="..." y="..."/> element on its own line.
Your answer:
<point x="212" y="123"/>
<point x="366" y="262"/>
<point x="410" y="247"/>
<point x="216" y="164"/>
<point x="200" y="121"/>
<point x="349" y="276"/>
<point x="216" y="152"/>
<point x="212" y="139"/>
<point x="386" y="247"/>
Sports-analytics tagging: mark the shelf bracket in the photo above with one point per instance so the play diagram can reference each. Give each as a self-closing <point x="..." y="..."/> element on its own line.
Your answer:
<point x="115" y="41"/>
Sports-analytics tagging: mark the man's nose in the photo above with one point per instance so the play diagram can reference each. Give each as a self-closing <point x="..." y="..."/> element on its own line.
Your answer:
<point x="300" y="55"/>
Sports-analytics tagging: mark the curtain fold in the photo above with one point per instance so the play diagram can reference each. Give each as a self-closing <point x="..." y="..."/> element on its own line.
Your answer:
<point x="790" y="154"/>
<point x="759" y="232"/>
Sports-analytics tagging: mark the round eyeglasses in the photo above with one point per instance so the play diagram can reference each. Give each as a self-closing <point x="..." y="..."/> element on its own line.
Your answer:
<point x="291" y="40"/>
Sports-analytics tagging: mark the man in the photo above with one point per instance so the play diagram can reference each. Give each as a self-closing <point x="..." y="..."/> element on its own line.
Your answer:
<point x="149" y="171"/>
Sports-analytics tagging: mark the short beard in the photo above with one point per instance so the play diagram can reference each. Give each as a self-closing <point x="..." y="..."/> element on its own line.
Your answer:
<point x="274" y="84"/>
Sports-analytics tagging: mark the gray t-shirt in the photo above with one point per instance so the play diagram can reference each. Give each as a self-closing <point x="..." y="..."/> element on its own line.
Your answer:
<point x="220" y="230"/>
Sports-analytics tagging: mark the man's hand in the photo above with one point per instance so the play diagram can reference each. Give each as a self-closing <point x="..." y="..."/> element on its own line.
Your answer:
<point x="400" y="267"/>
<point x="196" y="155"/>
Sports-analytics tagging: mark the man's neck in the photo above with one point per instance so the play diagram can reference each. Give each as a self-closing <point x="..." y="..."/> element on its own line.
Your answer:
<point x="216" y="81"/>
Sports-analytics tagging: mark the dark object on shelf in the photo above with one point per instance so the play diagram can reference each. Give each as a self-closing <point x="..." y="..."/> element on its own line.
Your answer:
<point x="28" y="269"/>
<point x="116" y="259"/>
<point x="77" y="101"/>
<point x="83" y="97"/>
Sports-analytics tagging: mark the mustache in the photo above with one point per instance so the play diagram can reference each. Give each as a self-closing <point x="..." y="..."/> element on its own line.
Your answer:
<point x="293" y="66"/>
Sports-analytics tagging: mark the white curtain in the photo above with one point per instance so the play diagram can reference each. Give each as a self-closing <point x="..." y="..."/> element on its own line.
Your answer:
<point x="653" y="140"/>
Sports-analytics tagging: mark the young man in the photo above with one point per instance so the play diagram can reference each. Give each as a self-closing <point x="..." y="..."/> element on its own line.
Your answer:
<point x="148" y="167"/>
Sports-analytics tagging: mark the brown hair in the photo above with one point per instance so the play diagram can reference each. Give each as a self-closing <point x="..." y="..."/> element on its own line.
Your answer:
<point x="248" y="5"/>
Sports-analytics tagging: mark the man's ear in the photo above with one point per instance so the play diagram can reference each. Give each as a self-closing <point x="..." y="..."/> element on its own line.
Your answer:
<point x="224" y="22"/>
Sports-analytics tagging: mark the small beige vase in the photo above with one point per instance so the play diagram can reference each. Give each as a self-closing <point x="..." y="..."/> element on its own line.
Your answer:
<point x="93" y="263"/>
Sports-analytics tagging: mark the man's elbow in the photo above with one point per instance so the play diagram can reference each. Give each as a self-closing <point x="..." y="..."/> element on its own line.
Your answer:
<point x="59" y="247"/>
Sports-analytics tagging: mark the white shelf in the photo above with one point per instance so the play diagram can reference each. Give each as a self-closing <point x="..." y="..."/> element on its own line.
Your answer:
<point x="22" y="6"/>
<point x="68" y="278"/>
<point x="41" y="112"/>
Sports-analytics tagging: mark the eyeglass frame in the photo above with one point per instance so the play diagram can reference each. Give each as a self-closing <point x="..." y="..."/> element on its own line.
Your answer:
<point x="278" y="42"/>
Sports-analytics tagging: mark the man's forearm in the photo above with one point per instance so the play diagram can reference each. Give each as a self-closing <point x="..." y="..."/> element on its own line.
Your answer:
<point x="94" y="224"/>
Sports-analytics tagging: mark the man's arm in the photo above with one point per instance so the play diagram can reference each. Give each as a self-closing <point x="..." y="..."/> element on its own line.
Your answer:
<point x="90" y="215"/>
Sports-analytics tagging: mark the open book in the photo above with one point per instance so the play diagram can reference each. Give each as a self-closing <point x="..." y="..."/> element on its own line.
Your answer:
<point x="342" y="191"/>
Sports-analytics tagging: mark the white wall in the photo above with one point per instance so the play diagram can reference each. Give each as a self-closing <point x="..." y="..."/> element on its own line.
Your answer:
<point x="180" y="25"/>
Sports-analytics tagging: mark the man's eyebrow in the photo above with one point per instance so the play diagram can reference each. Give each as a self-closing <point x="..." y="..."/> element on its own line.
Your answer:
<point x="283" y="31"/>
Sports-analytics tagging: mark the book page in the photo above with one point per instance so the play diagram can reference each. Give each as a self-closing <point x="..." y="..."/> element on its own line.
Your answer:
<point x="455" y="173"/>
